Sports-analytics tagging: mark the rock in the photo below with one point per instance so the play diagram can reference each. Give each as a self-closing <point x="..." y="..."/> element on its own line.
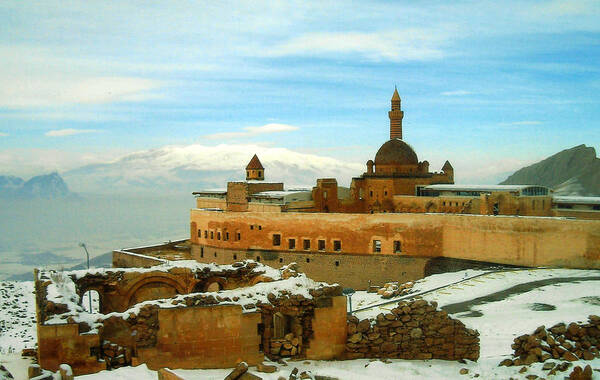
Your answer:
<point x="523" y="370"/>
<point x="249" y="376"/>
<point x="266" y="368"/>
<point x="570" y="356"/>
<point x="463" y="371"/>
<point x="548" y="366"/>
<point x="238" y="371"/>
<point x="416" y="333"/>
<point x="66" y="373"/>
<point x="531" y="377"/>
<point x="581" y="374"/>
<point x="33" y="370"/>
<point x="363" y="325"/>
<point x="506" y="363"/>
<point x="293" y="374"/>
<point x="355" y="338"/>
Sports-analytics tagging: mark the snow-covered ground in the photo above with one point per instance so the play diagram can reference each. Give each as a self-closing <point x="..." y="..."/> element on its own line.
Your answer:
<point x="500" y="305"/>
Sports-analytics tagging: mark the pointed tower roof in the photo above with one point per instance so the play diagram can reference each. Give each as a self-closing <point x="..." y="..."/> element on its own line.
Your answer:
<point x="254" y="163"/>
<point x="447" y="166"/>
<point x="396" y="96"/>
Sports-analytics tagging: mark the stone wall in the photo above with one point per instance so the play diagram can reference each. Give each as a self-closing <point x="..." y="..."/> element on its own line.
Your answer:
<point x="413" y="330"/>
<point x="356" y="271"/>
<point x="567" y="342"/>
<point x="517" y="240"/>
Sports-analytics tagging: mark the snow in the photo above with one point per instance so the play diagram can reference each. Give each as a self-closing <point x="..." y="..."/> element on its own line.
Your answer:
<point x="574" y="199"/>
<point x="499" y="315"/>
<point x="17" y="316"/>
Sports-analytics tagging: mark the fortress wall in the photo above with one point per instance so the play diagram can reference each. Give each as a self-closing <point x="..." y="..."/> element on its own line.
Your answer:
<point x="350" y="270"/>
<point x="499" y="239"/>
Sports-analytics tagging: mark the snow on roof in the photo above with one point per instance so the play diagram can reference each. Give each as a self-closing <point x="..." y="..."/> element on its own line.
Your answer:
<point x="212" y="192"/>
<point x="576" y="199"/>
<point x="446" y="187"/>
<point x="278" y="194"/>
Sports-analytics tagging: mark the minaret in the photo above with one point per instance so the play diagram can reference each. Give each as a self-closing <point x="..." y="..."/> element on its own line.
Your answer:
<point x="396" y="115"/>
<point x="254" y="170"/>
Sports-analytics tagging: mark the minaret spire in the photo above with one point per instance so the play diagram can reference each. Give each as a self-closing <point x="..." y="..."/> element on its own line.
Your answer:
<point x="396" y="115"/>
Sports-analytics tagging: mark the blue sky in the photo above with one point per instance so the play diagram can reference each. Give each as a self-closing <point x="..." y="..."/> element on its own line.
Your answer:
<point x="491" y="86"/>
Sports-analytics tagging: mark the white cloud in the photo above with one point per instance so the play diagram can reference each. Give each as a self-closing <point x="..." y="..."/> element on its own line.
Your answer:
<point x="253" y="131"/>
<point x="2" y="134"/>
<point x="42" y="91"/>
<point x="69" y="132"/>
<point x="397" y="45"/>
<point x="456" y="93"/>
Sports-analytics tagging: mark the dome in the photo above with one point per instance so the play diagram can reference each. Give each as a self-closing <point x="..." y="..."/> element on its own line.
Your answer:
<point x="396" y="152"/>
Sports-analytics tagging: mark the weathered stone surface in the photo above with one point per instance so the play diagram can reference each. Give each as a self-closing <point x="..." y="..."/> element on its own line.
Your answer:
<point x="266" y="368"/>
<point x="237" y="371"/>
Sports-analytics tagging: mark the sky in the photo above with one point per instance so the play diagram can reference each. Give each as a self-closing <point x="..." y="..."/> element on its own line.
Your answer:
<point x="490" y="86"/>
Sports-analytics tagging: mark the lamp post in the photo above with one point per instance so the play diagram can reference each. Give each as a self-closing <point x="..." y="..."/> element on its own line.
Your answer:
<point x="348" y="292"/>
<point x="82" y="245"/>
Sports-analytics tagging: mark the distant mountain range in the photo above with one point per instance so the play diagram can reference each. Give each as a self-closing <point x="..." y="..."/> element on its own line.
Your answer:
<point x="46" y="186"/>
<point x="574" y="171"/>
<point x="187" y="168"/>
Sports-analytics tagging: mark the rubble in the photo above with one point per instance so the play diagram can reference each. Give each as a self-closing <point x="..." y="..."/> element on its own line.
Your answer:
<point x="413" y="330"/>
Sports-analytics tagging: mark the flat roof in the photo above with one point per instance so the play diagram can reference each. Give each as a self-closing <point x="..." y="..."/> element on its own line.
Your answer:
<point x="576" y="199"/>
<point x="278" y="194"/>
<point x="447" y="187"/>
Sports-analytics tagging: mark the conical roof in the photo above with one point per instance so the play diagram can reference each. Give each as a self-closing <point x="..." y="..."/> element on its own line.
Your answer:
<point x="447" y="166"/>
<point x="396" y="96"/>
<point x="254" y="163"/>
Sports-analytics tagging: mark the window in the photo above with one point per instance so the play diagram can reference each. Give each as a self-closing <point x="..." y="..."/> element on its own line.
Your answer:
<point x="252" y="226"/>
<point x="276" y="239"/>
<point x="337" y="245"/>
<point x="324" y="194"/>
<point x="247" y="173"/>
<point x="371" y="193"/>
<point x="306" y="244"/>
<point x="397" y="246"/>
<point x="596" y="207"/>
<point x="205" y="234"/>
<point x="385" y="193"/>
<point x="212" y="235"/>
<point x="443" y="203"/>
<point x="258" y="259"/>
<point x="234" y="256"/>
<point x="259" y="227"/>
<point x="307" y="260"/>
<point x="291" y="243"/>
<point x="337" y="263"/>
<point x="199" y="233"/>
<point x="218" y="235"/>
<point x="376" y="246"/>
<point x="238" y="236"/>
<point x="201" y="251"/>
<point x="226" y="235"/>
<point x="281" y="260"/>
<point x="321" y="245"/>
<point x="259" y="173"/>
<point x="215" y="254"/>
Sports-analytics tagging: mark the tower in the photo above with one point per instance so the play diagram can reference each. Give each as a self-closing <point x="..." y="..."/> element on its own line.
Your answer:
<point x="254" y="170"/>
<point x="396" y="115"/>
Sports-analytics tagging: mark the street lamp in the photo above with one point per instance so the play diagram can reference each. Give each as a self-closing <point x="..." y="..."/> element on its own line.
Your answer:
<point x="348" y="292"/>
<point x="82" y="245"/>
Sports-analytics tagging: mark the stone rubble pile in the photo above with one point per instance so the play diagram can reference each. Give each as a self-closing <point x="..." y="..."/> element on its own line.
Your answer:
<point x="393" y="289"/>
<point x="290" y="345"/>
<point x="567" y="342"/>
<point x="413" y="330"/>
<point x="114" y="355"/>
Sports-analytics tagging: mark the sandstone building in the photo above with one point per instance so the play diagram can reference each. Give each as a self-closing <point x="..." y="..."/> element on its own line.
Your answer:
<point x="398" y="221"/>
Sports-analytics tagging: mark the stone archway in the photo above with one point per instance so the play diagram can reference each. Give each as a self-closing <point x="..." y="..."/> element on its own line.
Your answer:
<point x="154" y="287"/>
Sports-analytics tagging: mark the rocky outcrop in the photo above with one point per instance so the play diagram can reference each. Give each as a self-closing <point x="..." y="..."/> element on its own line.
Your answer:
<point x="567" y="342"/>
<point x="574" y="171"/>
<point x="413" y="330"/>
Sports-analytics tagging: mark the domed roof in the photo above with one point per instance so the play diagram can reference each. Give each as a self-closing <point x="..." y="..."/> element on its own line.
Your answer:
<point x="396" y="152"/>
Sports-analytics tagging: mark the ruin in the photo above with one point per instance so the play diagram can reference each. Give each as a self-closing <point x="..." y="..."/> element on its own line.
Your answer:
<point x="186" y="315"/>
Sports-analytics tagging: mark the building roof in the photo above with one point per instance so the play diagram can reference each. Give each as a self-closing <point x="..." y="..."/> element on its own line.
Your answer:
<point x="396" y="96"/>
<point x="396" y="152"/>
<point x="490" y="188"/>
<point x="254" y="163"/>
<point x="576" y="199"/>
<point x="447" y="166"/>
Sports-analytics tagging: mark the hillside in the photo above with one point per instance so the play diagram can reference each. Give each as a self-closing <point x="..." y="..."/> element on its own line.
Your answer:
<point x="574" y="171"/>
<point x="45" y="186"/>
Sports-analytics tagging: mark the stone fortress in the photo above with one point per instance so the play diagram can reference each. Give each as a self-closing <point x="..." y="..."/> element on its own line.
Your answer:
<point x="217" y="299"/>
<point x="397" y="222"/>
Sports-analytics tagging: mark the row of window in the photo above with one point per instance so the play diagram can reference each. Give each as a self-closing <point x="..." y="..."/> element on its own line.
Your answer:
<point x="306" y="243"/>
<point x="377" y="246"/>
<point x="218" y="235"/>
<point x="258" y="258"/>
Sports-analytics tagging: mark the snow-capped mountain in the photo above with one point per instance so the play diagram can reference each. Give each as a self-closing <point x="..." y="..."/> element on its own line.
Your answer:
<point x="43" y="186"/>
<point x="195" y="167"/>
